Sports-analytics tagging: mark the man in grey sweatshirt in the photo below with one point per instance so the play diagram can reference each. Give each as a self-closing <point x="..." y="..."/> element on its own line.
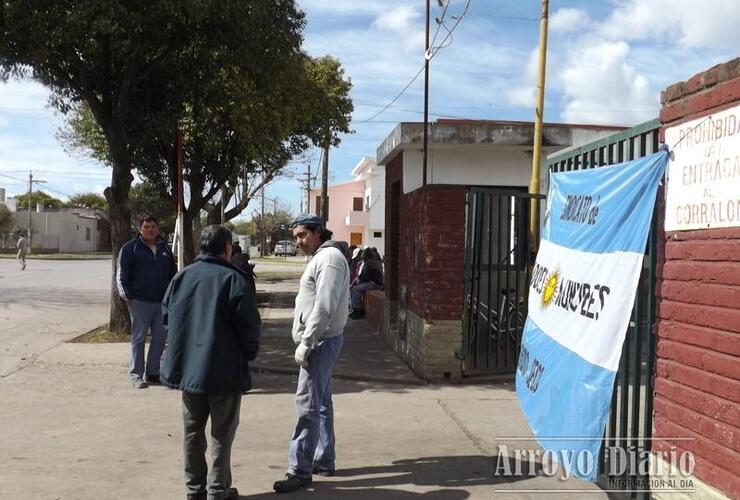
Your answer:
<point x="321" y="310"/>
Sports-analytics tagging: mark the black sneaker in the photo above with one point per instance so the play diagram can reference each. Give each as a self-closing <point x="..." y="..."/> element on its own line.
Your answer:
<point x="291" y="483"/>
<point x="323" y="472"/>
<point x="232" y="494"/>
<point x="151" y="379"/>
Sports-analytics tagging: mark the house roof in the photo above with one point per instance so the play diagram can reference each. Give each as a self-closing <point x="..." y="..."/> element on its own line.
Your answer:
<point x="480" y="133"/>
<point x="365" y="163"/>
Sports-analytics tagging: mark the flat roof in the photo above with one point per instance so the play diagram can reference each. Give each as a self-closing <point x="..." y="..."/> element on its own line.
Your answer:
<point x="459" y="132"/>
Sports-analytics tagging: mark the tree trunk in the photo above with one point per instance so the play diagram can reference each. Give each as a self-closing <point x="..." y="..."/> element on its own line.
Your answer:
<point x="120" y="233"/>
<point x="188" y="236"/>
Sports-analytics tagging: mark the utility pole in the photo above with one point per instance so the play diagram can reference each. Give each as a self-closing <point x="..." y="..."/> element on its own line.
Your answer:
<point x="534" y="183"/>
<point x="180" y="204"/>
<point x="262" y="219"/>
<point x="325" y="183"/>
<point x="305" y="181"/>
<point x="308" y="187"/>
<point x="223" y="205"/>
<point x="29" y="229"/>
<point x="426" y="100"/>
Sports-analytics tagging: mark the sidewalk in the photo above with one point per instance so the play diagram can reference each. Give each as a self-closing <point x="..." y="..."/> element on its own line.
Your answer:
<point x="73" y="428"/>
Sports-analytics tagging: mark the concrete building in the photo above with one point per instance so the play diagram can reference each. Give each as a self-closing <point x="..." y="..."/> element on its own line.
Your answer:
<point x="357" y="207"/>
<point x="426" y="225"/>
<point x="67" y="230"/>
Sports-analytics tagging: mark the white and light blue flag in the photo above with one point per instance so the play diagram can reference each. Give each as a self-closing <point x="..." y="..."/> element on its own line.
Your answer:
<point x="580" y="299"/>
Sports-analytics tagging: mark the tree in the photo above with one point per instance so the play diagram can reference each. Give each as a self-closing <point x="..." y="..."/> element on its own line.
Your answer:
<point x="332" y="112"/>
<point x="38" y="197"/>
<point x="90" y="201"/>
<point x="6" y="221"/>
<point x="98" y="53"/>
<point x="143" y="70"/>
<point x="149" y="200"/>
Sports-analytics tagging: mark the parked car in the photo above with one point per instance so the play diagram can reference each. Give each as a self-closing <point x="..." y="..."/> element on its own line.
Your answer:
<point x="285" y="247"/>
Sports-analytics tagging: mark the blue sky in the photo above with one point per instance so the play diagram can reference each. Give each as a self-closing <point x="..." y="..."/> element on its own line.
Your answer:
<point x="607" y="63"/>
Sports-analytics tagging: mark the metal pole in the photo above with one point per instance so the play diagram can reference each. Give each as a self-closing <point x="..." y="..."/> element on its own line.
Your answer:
<point x="308" y="188"/>
<point x="179" y="233"/>
<point x="262" y="219"/>
<point x="28" y="225"/>
<point x="426" y="100"/>
<point x="534" y="184"/>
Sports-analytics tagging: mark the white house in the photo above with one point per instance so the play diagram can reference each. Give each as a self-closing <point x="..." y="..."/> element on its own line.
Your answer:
<point x="69" y="230"/>
<point x="357" y="207"/>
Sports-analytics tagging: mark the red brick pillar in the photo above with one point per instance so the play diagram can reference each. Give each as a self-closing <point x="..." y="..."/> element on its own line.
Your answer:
<point x="697" y="381"/>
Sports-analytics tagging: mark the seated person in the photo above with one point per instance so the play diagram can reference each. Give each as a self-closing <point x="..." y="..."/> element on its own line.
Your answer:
<point x="370" y="277"/>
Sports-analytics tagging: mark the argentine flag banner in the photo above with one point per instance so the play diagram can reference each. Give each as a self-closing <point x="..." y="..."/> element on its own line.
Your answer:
<point x="581" y="293"/>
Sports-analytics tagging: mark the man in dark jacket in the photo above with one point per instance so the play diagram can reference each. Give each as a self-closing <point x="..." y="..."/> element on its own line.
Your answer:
<point x="145" y="267"/>
<point x="213" y="329"/>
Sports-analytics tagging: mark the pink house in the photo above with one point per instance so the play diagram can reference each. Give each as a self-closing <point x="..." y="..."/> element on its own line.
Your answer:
<point x="357" y="208"/>
<point x="347" y="216"/>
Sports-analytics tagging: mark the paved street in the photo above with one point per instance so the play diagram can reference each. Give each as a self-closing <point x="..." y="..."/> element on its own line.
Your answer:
<point x="48" y="303"/>
<point x="75" y="429"/>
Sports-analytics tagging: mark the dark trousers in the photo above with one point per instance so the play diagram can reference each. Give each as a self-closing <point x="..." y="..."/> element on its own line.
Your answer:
<point x="224" y="412"/>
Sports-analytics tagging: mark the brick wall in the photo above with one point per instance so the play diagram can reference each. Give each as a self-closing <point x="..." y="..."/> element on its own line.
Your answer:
<point x="697" y="382"/>
<point x="425" y="250"/>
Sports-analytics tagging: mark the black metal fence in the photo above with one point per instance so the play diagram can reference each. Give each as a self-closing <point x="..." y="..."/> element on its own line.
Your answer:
<point x="497" y="250"/>
<point x="629" y="430"/>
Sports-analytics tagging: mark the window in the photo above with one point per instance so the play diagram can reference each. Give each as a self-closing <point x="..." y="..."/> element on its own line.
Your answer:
<point x="87" y="234"/>
<point x="357" y="204"/>
<point x="317" y="208"/>
<point x="377" y="234"/>
<point x="367" y="203"/>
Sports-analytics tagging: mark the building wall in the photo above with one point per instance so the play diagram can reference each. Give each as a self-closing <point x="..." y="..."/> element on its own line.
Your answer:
<point x="425" y="254"/>
<point x="340" y="204"/>
<point x="697" y="384"/>
<point x="64" y="231"/>
<point x="472" y="166"/>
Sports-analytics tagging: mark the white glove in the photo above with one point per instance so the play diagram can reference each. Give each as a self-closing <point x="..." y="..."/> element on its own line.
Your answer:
<point x="301" y="355"/>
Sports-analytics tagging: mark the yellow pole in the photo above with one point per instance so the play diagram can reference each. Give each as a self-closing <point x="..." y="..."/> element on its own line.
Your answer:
<point x="534" y="183"/>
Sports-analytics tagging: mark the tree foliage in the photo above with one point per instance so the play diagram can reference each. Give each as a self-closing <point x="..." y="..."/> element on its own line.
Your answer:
<point x="6" y="220"/>
<point x="38" y="197"/>
<point x="147" y="200"/>
<point x="90" y="201"/>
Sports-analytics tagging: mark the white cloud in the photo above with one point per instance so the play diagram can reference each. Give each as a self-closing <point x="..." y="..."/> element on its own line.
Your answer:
<point x="712" y="23"/>
<point x="600" y="86"/>
<point x="343" y="7"/>
<point x="568" y="19"/>
<point x="404" y="21"/>
<point x="24" y="96"/>
<point x="525" y="94"/>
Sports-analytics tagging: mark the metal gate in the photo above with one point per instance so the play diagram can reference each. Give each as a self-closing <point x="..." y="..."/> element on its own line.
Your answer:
<point x="629" y="429"/>
<point x="497" y="249"/>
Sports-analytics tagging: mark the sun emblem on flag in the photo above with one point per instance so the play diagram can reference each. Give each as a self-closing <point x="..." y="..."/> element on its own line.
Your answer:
<point x="548" y="292"/>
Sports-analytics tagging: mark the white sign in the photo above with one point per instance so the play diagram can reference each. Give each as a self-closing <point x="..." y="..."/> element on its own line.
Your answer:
<point x="704" y="173"/>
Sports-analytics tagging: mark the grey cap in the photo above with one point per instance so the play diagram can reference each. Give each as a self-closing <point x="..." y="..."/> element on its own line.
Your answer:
<point x="307" y="220"/>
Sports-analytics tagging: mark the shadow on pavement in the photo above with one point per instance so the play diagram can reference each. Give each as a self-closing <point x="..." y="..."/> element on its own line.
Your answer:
<point x="382" y="481"/>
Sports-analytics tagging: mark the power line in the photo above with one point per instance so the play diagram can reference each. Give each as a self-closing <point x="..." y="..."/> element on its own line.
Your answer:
<point x="394" y="99"/>
<point x="429" y="56"/>
<point x="14" y="178"/>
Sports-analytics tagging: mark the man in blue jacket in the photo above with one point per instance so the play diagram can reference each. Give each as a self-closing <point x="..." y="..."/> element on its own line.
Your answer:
<point x="145" y="267"/>
<point x="213" y="330"/>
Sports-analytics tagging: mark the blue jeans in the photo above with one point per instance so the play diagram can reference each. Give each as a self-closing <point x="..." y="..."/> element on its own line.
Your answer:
<point x="144" y="316"/>
<point x="313" y="439"/>
<point x="357" y="294"/>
